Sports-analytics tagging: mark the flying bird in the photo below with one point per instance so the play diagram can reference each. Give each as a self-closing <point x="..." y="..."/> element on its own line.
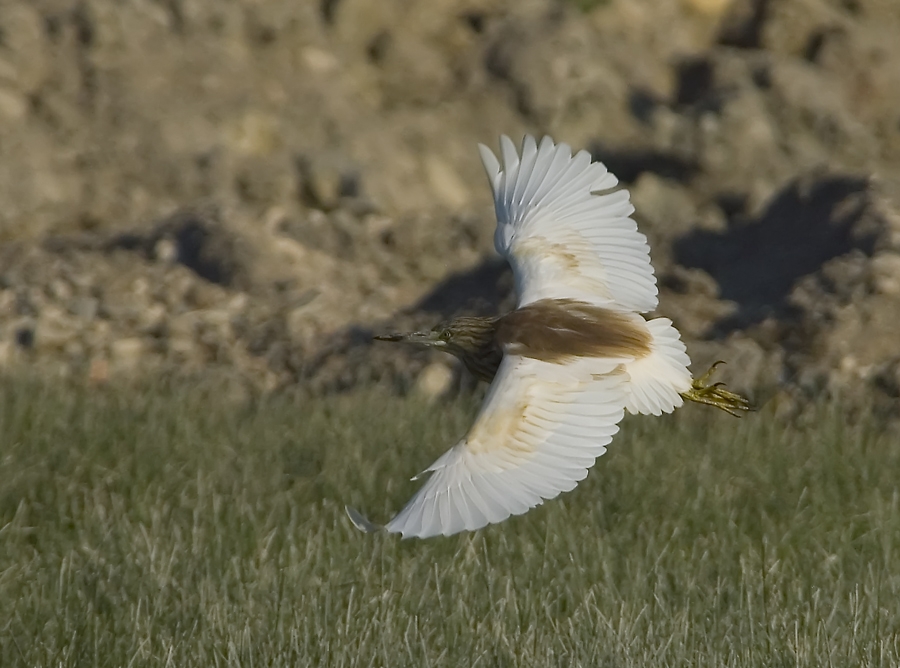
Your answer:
<point x="566" y="364"/>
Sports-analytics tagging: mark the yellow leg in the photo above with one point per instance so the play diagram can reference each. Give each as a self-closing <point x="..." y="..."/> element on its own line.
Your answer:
<point x="716" y="394"/>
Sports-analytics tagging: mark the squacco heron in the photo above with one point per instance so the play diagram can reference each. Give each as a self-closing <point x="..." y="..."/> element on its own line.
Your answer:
<point x="567" y="363"/>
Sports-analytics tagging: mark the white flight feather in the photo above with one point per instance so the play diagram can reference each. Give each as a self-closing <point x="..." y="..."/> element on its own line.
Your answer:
<point x="561" y="236"/>
<point x="521" y="449"/>
<point x="657" y="380"/>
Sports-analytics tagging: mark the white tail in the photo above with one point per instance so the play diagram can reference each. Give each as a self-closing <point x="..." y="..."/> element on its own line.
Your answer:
<point x="658" y="379"/>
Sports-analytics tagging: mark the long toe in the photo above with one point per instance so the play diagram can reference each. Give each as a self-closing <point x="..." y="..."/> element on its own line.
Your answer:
<point x="716" y="395"/>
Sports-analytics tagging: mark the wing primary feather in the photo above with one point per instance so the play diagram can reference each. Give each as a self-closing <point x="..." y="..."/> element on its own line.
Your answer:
<point x="540" y="487"/>
<point x="547" y="471"/>
<point x="578" y="171"/>
<point x="492" y="169"/>
<point x="541" y="171"/>
<point x="446" y="512"/>
<point x="555" y="173"/>
<point x="510" y="169"/>
<point x="466" y="504"/>
<point x="582" y="243"/>
<point x="360" y="521"/>
<point x="497" y="511"/>
<point x="513" y="499"/>
<point x="481" y="511"/>
<point x="526" y="168"/>
<point x="431" y="516"/>
<point x="409" y="519"/>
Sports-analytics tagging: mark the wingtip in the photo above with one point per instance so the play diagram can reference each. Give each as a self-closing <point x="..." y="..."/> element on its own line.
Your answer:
<point x="529" y="143"/>
<point x="509" y="154"/>
<point x="360" y="521"/>
<point x="490" y="162"/>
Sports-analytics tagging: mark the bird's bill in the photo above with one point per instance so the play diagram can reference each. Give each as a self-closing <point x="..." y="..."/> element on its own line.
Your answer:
<point x="429" y="338"/>
<point x="390" y="337"/>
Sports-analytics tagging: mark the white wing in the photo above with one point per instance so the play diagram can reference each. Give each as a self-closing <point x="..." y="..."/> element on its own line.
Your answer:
<point x="541" y="427"/>
<point x="562" y="239"/>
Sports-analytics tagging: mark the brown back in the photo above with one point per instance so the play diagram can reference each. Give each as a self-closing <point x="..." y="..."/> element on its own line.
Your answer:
<point x="558" y="330"/>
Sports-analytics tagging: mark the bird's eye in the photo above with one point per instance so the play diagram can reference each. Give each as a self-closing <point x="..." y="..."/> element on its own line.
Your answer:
<point x="443" y="332"/>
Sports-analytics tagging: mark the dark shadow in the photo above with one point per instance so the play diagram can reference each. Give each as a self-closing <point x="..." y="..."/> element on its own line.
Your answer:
<point x="629" y="164"/>
<point x="642" y="104"/>
<point x="197" y="250"/>
<point x="695" y="85"/>
<point x="744" y="23"/>
<point x="499" y="59"/>
<point x="757" y="262"/>
<point x="199" y="243"/>
<point x="378" y="46"/>
<point x="482" y="290"/>
<point x="328" y="11"/>
<point x="696" y="92"/>
<point x="475" y="21"/>
<point x="818" y="40"/>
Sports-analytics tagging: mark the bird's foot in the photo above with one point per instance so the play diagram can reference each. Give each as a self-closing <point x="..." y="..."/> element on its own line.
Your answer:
<point x="716" y="395"/>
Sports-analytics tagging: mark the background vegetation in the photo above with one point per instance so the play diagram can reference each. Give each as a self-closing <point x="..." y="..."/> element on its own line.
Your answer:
<point x="165" y="527"/>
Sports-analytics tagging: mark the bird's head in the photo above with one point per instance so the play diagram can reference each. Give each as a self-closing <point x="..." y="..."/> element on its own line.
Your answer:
<point x="432" y="338"/>
<point x="462" y="335"/>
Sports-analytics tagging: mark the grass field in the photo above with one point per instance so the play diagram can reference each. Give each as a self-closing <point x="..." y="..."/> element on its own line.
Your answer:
<point x="165" y="529"/>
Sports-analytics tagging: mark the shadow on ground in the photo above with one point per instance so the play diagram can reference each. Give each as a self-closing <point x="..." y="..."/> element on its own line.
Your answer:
<point x="757" y="261"/>
<point x="629" y="164"/>
<point x="485" y="289"/>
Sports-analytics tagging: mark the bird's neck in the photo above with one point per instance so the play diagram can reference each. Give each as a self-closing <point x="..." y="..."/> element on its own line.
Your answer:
<point x="477" y="347"/>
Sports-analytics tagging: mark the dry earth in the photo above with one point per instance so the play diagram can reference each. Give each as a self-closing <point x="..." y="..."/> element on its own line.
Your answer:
<point x="252" y="187"/>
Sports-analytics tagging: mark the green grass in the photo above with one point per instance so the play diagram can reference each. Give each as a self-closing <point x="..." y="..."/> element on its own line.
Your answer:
<point x="165" y="528"/>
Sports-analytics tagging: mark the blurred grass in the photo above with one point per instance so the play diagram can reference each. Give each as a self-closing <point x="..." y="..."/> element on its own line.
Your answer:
<point x="166" y="527"/>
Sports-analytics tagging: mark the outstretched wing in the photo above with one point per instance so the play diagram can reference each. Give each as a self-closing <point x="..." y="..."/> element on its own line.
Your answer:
<point x="540" y="429"/>
<point x="562" y="238"/>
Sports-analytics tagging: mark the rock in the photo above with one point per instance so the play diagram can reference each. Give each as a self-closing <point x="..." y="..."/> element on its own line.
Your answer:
<point x="434" y="381"/>
<point x="25" y="41"/>
<point x="445" y="184"/>
<point x="166" y="250"/>
<point x="13" y="105"/>
<point x="886" y="273"/>
<point x="127" y="354"/>
<point x="324" y="181"/>
<point x="85" y="308"/>
<point x="319" y="61"/>
<point x="255" y="133"/>
<point x="713" y="8"/>
<point x="153" y="319"/>
<point x="664" y="208"/>
<point x="297" y="322"/>
<point x="55" y="328"/>
<point x="184" y="326"/>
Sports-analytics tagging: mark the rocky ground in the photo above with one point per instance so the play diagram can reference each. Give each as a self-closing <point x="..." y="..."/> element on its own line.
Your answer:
<point x="252" y="188"/>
